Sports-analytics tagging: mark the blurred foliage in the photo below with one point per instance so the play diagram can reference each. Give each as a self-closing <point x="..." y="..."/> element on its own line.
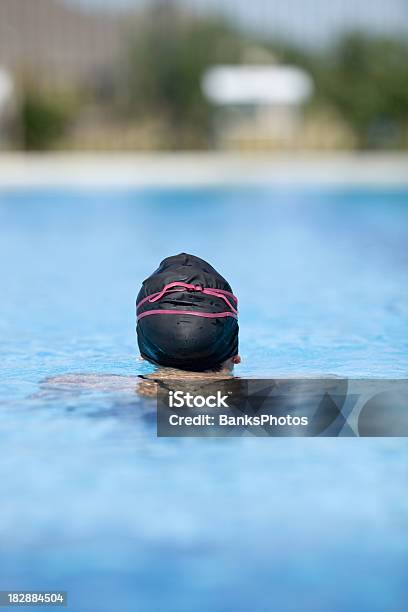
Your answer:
<point x="366" y="80"/>
<point x="44" y="119"/>
<point x="168" y="54"/>
<point x="363" y="79"/>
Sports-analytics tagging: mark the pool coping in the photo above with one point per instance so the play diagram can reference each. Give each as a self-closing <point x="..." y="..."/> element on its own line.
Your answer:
<point x="19" y="170"/>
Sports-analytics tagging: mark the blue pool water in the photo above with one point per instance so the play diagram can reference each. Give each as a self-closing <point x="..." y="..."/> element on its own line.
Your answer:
<point x="93" y="503"/>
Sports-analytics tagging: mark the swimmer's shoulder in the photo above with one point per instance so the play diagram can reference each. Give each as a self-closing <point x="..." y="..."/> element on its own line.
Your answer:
<point x="142" y="384"/>
<point x="96" y="382"/>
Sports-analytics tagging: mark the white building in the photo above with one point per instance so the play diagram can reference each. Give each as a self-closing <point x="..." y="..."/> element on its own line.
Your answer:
<point x="259" y="104"/>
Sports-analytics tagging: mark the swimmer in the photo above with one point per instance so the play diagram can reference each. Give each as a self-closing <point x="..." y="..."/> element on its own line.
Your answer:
<point x="187" y="326"/>
<point x="187" y="317"/>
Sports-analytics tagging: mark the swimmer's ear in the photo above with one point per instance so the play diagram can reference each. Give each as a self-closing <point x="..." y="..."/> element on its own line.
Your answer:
<point x="236" y="360"/>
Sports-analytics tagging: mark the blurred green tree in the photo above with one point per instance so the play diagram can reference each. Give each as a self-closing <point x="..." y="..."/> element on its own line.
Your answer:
<point x="44" y="119"/>
<point x="168" y="53"/>
<point x="365" y="78"/>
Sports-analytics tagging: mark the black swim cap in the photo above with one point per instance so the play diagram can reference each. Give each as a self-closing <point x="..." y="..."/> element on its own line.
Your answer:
<point x="187" y="315"/>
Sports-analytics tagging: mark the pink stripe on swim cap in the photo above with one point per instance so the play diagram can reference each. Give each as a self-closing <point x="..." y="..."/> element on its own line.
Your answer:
<point x="181" y="286"/>
<point x="206" y="315"/>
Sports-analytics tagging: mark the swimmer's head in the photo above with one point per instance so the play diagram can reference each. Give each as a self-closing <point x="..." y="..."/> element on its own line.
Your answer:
<point x="187" y="316"/>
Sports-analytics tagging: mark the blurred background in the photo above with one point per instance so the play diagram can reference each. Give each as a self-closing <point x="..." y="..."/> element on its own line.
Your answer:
<point x="203" y="75"/>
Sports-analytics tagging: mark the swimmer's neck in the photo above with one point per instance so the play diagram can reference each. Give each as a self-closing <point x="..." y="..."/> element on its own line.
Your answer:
<point x="173" y="373"/>
<point x="162" y="372"/>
